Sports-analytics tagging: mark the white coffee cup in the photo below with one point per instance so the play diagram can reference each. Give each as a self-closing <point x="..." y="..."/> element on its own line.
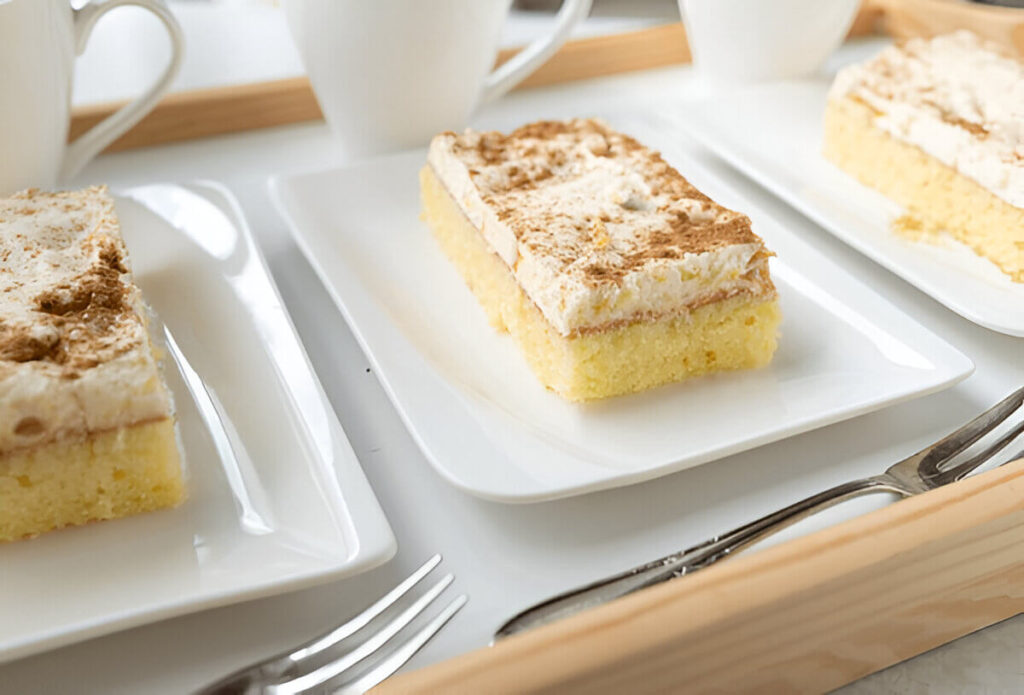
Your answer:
<point x="389" y="74"/>
<point x="757" y="40"/>
<point x="39" y="40"/>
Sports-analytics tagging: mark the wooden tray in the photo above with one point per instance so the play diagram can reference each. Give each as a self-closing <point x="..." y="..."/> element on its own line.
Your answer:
<point x="809" y="615"/>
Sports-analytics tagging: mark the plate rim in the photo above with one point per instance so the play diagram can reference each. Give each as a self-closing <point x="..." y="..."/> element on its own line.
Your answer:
<point x="375" y="539"/>
<point x="278" y="187"/>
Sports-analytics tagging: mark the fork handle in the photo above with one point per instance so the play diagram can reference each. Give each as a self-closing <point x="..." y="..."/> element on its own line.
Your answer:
<point x="691" y="559"/>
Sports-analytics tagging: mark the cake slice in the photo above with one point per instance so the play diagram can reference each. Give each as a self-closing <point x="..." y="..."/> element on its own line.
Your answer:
<point x="612" y="272"/>
<point x="938" y="126"/>
<point x="86" y="429"/>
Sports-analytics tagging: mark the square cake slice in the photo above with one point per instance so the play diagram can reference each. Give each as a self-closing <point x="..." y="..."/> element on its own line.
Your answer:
<point x="612" y="272"/>
<point x="86" y="428"/>
<point x="938" y="126"/>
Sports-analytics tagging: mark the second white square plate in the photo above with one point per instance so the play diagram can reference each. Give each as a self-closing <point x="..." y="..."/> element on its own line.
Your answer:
<point x="488" y="426"/>
<point x="773" y="133"/>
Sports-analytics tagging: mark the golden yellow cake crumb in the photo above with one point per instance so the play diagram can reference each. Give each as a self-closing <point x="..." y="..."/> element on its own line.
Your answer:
<point x="105" y="476"/>
<point x="916" y="229"/>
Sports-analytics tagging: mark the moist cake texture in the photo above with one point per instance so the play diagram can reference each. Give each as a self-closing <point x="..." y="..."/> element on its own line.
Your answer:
<point x="613" y="272"/>
<point x="86" y="431"/>
<point x="938" y="126"/>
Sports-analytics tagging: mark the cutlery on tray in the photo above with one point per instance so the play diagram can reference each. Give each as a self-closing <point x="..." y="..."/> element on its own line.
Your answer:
<point x="930" y="468"/>
<point x="335" y="663"/>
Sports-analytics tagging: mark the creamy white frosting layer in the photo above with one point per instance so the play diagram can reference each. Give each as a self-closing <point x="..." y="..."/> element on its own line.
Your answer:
<point x="597" y="229"/>
<point x="958" y="98"/>
<point x="75" y="354"/>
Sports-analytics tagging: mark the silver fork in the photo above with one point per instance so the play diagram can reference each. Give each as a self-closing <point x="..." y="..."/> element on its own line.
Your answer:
<point x="930" y="468"/>
<point x="300" y="671"/>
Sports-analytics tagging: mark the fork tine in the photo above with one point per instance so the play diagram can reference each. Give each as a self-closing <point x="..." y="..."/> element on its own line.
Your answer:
<point x="960" y="440"/>
<point x="360" y="621"/>
<point x="371" y="645"/>
<point x="962" y="469"/>
<point x="403" y="652"/>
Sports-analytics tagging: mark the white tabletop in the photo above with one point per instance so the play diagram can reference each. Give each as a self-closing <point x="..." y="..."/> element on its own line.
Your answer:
<point x="506" y="557"/>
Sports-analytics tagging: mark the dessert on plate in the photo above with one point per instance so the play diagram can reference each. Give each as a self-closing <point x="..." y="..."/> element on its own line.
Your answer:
<point x="938" y="126"/>
<point x="609" y="268"/>
<point x="86" y="426"/>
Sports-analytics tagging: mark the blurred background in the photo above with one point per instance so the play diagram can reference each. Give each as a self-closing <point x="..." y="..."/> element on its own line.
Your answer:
<point x="241" y="41"/>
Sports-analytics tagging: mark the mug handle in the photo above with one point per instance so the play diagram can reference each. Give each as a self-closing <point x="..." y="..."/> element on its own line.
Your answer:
<point x="517" y="68"/>
<point x="106" y="131"/>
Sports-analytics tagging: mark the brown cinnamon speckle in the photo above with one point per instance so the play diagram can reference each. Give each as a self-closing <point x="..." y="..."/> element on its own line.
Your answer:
<point x="77" y="313"/>
<point x="535" y="179"/>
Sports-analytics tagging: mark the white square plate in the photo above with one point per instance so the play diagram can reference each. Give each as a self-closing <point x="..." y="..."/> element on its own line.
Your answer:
<point x="773" y="133"/>
<point x="489" y="427"/>
<point x="294" y="510"/>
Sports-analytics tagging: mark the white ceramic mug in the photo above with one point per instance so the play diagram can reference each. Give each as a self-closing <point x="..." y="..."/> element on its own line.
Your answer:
<point x="389" y="74"/>
<point x="39" y="40"/>
<point x="757" y="40"/>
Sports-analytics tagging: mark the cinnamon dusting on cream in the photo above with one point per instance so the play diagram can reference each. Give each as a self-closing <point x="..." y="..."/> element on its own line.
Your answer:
<point x="597" y="228"/>
<point x="68" y="299"/>
<point x="75" y="355"/>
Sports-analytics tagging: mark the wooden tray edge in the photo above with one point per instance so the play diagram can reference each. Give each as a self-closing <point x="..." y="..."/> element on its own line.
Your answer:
<point x="809" y="615"/>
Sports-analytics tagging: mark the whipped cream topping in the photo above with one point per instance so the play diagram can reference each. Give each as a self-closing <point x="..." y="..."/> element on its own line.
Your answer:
<point x="75" y="355"/>
<point x="958" y="98"/>
<point x="597" y="229"/>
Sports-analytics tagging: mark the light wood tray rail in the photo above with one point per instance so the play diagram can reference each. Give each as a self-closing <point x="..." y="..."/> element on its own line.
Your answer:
<point x="808" y="616"/>
<point x="205" y="112"/>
